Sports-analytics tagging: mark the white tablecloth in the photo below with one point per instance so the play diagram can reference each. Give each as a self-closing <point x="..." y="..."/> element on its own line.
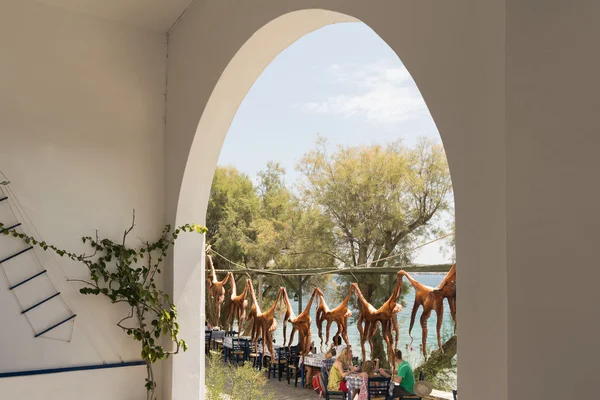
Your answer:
<point x="217" y="334"/>
<point x="354" y="383"/>
<point x="313" y="361"/>
<point x="228" y="341"/>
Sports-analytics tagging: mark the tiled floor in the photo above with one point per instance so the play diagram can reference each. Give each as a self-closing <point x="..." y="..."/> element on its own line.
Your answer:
<point x="283" y="391"/>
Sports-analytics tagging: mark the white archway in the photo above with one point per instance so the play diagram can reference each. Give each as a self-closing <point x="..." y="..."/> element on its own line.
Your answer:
<point x="234" y="81"/>
<point x="233" y="85"/>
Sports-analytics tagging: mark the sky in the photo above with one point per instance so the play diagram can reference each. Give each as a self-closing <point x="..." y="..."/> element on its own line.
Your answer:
<point x="342" y="82"/>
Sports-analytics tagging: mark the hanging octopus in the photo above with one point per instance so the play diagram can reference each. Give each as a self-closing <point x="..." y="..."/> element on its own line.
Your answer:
<point x="238" y="305"/>
<point x="301" y="323"/>
<point x="263" y="323"/>
<point x="386" y="314"/>
<point x="216" y="289"/>
<point x="422" y="298"/>
<point x="447" y="290"/>
<point x="432" y="299"/>
<point x="339" y="315"/>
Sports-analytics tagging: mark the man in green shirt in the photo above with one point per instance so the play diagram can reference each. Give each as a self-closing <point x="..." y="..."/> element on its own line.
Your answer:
<point x="405" y="377"/>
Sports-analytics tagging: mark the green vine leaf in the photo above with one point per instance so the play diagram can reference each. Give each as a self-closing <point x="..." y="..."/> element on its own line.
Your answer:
<point x="114" y="273"/>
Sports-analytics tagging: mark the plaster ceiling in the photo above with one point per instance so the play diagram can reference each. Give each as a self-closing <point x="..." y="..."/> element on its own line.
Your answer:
<point x="156" y="15"/>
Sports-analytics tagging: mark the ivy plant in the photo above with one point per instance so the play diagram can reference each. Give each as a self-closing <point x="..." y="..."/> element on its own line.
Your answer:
<point x="128" y="275"/>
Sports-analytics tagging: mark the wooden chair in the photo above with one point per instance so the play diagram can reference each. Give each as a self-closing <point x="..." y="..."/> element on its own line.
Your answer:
<point x="414" y="396"/>
<point x="293" y="363"/>
<point x="240" y="351"/>
<point x="224" y="351"/>
<point x="207" y="340"/>
<point x="330" y="394"/>
<point x="410" y="397"/>
<point x="378" y="388"/>
<point x="279" y="362"/>
<point x="254" y="356"/>
<point x="218" y="344"/>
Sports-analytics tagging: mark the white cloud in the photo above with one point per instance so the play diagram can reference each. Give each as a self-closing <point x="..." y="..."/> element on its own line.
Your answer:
<point x="380" y="92"/>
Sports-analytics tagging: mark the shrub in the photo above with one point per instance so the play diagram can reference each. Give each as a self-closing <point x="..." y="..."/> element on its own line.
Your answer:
<point x="235" y="383"/>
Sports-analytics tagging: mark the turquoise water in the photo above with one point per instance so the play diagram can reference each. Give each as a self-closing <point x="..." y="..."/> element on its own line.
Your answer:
<point x="412" y="355"/>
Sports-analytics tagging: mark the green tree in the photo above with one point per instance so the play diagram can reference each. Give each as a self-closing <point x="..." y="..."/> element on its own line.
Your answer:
<point x="380" y="199"/>
<point x="251" y="224"/>
<point x="232" y="207"/>
<point x="449" y="247"/>
<point x="359" y="206"/>
<point x="272" y="225"/>
<point x="224" y="381"/>
<point x="275" y="196"/>
<point x="293" y="234"/>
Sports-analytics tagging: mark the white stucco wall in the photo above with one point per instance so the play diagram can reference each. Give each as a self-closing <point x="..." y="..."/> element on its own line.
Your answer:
<point x="81" y="138"/>
<point x="552" y="169"/>
<point x="511" y="85"/>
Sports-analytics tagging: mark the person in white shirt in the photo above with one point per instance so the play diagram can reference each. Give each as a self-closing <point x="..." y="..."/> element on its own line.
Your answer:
<point x="335" y="348"/>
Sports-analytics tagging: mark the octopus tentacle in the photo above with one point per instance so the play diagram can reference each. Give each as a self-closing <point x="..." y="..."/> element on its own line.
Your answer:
<point x="216" y="289"/>
<point x="292" y="334"/>
<point x="327" y="330"/>
<point x="385" y="315"/>
<point x="345" y="331"/>
<point x="425" y="330"/>
<point x="396" y="328"/>
<point x="413" y="314"/>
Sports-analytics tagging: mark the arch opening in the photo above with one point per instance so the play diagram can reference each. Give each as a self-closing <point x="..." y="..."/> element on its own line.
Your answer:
<point x="233" y="85"/>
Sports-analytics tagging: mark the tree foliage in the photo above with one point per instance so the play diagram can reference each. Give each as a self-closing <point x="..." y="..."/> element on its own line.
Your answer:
<point x="236" y="383"/>
<point x="381" y="200"/>
<point x="356" y="206"/>
<point x="250" y="224"/>
<point x="440" y="367"/>
<point x="128" y="275"/>
<point x="232" y="208"/>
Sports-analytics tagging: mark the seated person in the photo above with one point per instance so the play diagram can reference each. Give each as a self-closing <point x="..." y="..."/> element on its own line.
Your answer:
<point x="310" y="371"/>
<point x="405" y="377"/>
<point x="368" y="373"/>
<point x="337" y="374"/>
<point x="335" y="348"/>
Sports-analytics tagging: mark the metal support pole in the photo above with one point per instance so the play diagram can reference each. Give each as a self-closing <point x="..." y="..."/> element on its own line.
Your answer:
<point x="289" y="282"/>
<point x="260" y="290"/>
<point x="300" y="283"/>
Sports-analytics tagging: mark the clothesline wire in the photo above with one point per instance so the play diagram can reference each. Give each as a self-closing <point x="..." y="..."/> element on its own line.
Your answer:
<point x="211" y="250"/>
<point x="408" y="251"/>
<point x="345" y="268"/>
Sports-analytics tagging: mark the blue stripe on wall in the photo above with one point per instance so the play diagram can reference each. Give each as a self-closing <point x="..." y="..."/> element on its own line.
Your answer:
<point x="70" y="369"/>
